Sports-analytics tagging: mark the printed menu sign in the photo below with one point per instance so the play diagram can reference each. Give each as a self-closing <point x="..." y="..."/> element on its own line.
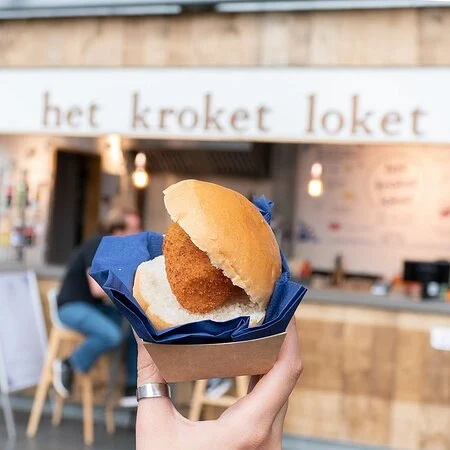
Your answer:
<point x="380" y="206"/>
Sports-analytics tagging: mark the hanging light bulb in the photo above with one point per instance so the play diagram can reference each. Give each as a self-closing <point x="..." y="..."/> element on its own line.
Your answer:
<point x="316" y="170"/>
<point x="140" y="176"/>
<point x="140" y="160"/>
<point x="315" y="187"/>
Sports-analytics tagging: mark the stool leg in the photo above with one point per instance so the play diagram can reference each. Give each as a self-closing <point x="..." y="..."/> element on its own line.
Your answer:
<point x="112" y="383"/>
<point x="57" y="410"/>
<point x="241" y="386"/>
<point x="197" y="399"/>
<point x="44" y="384"/>
<point x="109" y="418"/>
<point x="88" y="419"/>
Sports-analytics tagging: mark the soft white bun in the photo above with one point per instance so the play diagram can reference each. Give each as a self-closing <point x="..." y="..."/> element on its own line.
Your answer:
<point x="152" y="290"/>
<point x="231" y="231"/>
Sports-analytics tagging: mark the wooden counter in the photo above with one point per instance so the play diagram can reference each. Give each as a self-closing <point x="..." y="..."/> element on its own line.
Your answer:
<point x="370" y="373"/>
<point x="371" y="376"/>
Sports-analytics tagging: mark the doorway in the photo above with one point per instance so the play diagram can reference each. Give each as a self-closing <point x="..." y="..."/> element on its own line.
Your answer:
<point x="74" y="215"/>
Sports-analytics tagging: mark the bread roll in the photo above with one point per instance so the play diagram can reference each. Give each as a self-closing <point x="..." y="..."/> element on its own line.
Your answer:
<point x="231" y="231"/>
<point x="151" y="289"/>
<point x="222" y="226"/>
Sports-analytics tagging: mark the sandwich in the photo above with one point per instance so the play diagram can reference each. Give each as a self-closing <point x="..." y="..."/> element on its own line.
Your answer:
<point x="220" y="259"/>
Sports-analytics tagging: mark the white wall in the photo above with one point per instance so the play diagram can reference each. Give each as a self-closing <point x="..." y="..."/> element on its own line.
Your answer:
<point x="381" y="205"/>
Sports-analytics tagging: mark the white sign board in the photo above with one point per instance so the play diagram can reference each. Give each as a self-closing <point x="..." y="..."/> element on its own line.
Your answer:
<point x="440" y="338"/>
<point x="23" y="338"/>
<point x="261" y="104"/>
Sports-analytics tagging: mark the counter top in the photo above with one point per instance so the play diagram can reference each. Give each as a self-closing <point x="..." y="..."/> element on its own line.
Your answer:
<point x="361" y="299"/>
<point x="43" y="271"/>
<point x="325" y="296"/>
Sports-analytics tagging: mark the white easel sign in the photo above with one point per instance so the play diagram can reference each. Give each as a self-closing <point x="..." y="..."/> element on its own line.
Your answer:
<point x="23" y="339"/>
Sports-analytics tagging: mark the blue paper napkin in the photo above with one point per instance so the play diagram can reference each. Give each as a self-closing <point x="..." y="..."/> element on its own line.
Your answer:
<point x="115" y="264"/>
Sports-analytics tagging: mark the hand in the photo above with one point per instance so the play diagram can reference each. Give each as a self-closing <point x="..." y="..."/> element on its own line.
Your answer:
<point x="254" y="422"/>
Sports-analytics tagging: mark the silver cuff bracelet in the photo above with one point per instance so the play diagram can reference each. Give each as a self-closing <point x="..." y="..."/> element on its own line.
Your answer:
<point x="153" y="390"/>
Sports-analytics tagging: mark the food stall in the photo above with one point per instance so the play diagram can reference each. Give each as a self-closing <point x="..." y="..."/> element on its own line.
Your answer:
<point x="376" y="368"/>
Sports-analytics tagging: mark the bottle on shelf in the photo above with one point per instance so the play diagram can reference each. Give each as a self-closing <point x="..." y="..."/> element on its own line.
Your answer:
<point x="338" y="275"/>
<point x="9" y="196"/>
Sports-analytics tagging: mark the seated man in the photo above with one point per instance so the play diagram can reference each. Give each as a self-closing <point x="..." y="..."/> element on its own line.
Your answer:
<point x="83" y="306"/>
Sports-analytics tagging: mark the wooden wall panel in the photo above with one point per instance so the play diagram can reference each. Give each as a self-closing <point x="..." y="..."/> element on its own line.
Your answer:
<point x="275" y="30"/>
<point x="24" y="43"/>
<point x="366" y="419"/>
<point x="300" y="35"/>
<point x="318" y="344"/>
<point x="404" y="430"/>
<point x="378" y="38"/>
<point x="316" y="413"/>
<point x="371" y="376"/>
<point x="94" y="42"/>
<point x="408" y="383"/>
<point x="434" y="37"/>
<point x="325" y="40"/>
<point x="341" y="38"/>
<point x="219" y="40"/>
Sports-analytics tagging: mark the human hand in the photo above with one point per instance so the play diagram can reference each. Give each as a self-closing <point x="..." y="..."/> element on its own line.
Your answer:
<point x="254" y="422"/>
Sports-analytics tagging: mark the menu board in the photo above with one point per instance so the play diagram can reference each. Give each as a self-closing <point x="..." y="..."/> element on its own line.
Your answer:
<point x="23" y="338"/>
<point x="380" y="205"/>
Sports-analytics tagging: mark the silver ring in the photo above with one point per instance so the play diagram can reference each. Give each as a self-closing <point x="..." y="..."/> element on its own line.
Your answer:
<point x="153" y="390"/>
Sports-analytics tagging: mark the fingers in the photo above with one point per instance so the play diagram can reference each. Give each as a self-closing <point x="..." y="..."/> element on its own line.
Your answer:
<point x="271" y="393"/>
<point x="147" y="370"/>
<point x="155" y="410"/>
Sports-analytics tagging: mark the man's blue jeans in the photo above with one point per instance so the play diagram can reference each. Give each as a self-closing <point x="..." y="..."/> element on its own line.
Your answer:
<point x="101" y="326"/>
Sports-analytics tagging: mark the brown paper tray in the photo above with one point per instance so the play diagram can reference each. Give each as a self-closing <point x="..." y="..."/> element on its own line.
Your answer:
<point x="196" y="362"/>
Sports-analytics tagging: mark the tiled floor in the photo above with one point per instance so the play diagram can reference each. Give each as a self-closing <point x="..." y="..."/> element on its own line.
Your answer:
<point x="69" y="437"/>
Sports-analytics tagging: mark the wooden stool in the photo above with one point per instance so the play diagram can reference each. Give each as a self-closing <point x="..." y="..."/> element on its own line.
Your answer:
<point x="199" y="399"/>
<point x="59" y="334"/>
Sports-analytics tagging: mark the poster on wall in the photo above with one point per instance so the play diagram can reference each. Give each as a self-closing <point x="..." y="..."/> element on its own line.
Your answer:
<point x="24" y="197"/>
<point x="392" y="202"/>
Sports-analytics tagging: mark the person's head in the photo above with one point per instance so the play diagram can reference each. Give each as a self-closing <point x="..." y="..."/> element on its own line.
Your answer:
<point x="123" y="221"/>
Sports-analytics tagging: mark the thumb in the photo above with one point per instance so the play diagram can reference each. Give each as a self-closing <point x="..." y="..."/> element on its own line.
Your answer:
<point x="147" y="370"/>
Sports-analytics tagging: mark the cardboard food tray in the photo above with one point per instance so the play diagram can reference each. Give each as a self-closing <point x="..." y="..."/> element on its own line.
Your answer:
<point x="200" y="361"/>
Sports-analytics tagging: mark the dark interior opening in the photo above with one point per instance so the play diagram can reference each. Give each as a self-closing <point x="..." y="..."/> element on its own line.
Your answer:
<point x="74" y="215"/>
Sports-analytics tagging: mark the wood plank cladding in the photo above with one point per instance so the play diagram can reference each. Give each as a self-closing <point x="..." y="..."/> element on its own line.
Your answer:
<point x="340" y="38"/>
<point x="371" y="376"/>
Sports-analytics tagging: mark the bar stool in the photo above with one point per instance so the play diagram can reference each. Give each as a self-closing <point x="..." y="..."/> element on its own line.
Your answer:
<point x="60" y="333"/>
<point x="199" y="399"/>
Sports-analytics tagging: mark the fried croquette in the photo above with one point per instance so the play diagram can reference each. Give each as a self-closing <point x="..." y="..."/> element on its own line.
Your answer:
<point x="196" y="283"/>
